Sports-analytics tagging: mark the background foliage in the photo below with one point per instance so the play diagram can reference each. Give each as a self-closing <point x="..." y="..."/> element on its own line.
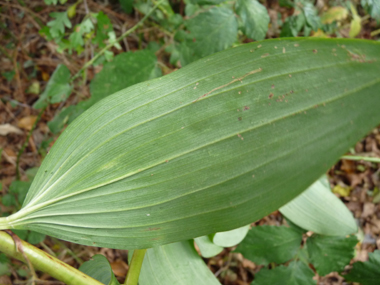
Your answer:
<point x="44" y="45"/>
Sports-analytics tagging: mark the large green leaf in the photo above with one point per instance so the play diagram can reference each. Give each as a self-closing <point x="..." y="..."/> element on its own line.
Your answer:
<point x="266" y="244"/>
<point x="367" y="273"/>
<point x="319" y="210"/>
<point x="296" y="273"/>
<point x="176" y="263"/>
<point x="209" y="148"/>
<point x="329" y="254"/>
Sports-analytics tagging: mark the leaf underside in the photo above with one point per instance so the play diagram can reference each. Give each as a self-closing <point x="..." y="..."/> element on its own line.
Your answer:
<point x="211" y="147"/>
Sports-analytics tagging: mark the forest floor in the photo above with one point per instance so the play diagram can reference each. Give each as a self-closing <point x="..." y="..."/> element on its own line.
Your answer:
<point x="26" y="63"/>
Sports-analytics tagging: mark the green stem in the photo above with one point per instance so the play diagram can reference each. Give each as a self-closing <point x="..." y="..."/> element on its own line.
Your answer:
<point x="365" y="158"/>
<point x="135" y="267"/>
<point x="374" y="33"/>
<point x="44" y="262"/>
<point x="26" y="143"/>
<point x="107" y="47"/>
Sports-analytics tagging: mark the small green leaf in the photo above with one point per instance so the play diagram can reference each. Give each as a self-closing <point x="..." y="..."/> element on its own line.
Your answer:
<point x="293" y="25"/>
<point x="211" y="31"/>
<point x="296" y="273"/>
<point x="100" y="269"/>
<point x="31" y="173"/>
<point x="207" y="247"/>
<point x="355" y="26"/>
<point x="8" y="200"/>
<point x="231" y="238"/>
<point x="57" y="89"/>
<point x="113" y="40"/>
<point x="22" y="272"/>
<point x="76" y="37"/>
<point x="266" y="244"/>
<point x="4" y="269"/>
<point x="22" y="234"/>
<point x="373" y="7"/>
<point x="57" y="26"/>
<point x="366" y="273"/>
<point x="311" y="16"/>
<point x="255" y="18"/>
<point x="191" y="9"/>
<point x="3" y="259"/>
<point x="20" y="188"/>
<point x="103" y="27"/>
<point x="127" y="5"/>
<point x="72" y="10"/>
<point x="329" y="254"/>
<point x="176" y="263"/>
<point x="67" y="115"/>
<point x="125" y="70"/>
<point x="319" y="210"/>
<point x="8" y="75"/>
<point x="336" y="13"/>
<point x="35" y="238"/>
<point x="50" y="2"/>
<point x="206" y="2"/>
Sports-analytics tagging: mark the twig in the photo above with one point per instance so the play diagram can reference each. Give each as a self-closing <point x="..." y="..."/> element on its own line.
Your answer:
<point x="358" y="158"/>
<point x="107" y="47"/>
<point x="21" y="151"/>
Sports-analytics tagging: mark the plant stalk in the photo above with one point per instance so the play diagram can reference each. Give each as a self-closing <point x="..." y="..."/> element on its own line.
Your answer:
<point x="135" y="267"/>
<point x="365" y="158"/>
<point x="44" y="262"/>
<point x="107" y="47"/>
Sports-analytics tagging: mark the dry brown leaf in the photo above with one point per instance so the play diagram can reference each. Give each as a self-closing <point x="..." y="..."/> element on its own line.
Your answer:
<point x="119" y="268"/>
<point x="27" y="122"/>
<point x="368" y="209"/>
<point x="8" y="128"/>
<point x="348" y="166"/>
<point x="248" y="264"/>
<point x="5" y="280"/>
<point x="9" y="155"/>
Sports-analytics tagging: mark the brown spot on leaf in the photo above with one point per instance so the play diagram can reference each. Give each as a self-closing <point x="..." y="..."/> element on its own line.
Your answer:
<point x="315" y="51"/>
<point x="270" y="96"/>
<point x="153" y="229"/>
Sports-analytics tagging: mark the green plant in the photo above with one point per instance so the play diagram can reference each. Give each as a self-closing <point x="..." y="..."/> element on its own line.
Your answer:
<point x="131" y="185"/>
<point x="214" y="146"/>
